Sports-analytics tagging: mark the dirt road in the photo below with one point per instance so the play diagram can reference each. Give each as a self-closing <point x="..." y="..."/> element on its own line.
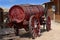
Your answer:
<point x="54" y="34"/>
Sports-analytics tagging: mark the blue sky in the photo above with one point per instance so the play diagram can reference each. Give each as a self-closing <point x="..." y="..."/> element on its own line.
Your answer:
<point x="9" y="3"/>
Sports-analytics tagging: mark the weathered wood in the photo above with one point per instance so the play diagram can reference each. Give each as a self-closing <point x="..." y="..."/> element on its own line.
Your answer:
<point x="6" y="31"/>
<point x="11" y="38"/>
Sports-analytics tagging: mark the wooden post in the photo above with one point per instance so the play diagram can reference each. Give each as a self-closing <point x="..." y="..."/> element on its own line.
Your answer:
<point x="1" y="17"/>
<point x="57" y="12"/>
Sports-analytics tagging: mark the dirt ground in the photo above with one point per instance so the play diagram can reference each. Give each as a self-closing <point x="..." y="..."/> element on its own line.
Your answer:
<point x="53" y="34"/>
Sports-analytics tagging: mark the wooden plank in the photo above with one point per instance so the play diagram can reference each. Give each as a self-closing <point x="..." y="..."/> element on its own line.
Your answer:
<point x="5" y="31"/>
<point x="11" y="38"/>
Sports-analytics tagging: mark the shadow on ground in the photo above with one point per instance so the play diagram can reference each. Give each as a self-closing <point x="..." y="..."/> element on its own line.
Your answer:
<point x="28" y="35"/>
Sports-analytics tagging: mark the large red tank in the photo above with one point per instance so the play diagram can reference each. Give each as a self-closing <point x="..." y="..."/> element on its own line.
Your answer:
<point x="19" y="13"/>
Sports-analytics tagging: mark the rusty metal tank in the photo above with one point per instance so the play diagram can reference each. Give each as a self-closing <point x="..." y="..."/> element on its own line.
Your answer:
<point x="19" y="13"/>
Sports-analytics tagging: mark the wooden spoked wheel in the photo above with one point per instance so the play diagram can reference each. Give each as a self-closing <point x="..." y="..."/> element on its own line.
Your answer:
<point x="34" y="26"/>
<point x="48" y="24"/>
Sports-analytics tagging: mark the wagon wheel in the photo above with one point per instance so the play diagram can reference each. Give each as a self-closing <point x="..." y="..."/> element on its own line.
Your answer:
<point x="34" y="27"/>
<point x="48" y="24"/>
